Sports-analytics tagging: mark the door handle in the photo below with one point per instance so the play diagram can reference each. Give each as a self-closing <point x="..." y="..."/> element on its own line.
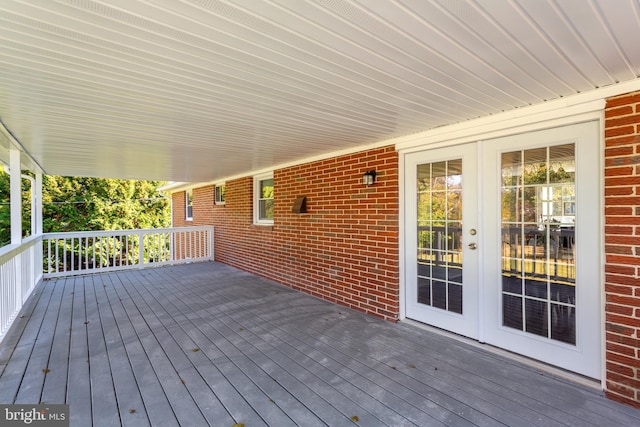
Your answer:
<point x="473" y="246"/>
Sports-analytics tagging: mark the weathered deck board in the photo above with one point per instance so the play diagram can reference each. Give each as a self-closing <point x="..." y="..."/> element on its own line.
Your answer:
<point x="55" y="385"/>
<point x="79" y="384"/>
<point x="156" y="344"/>
<point x="379" y="380"/>
<point x="400" y="378"/>
<point x="125" y="387"/>
<point x="156" y="402"/>
<point x="376" y="378"/>
<point x="286" y="382"/>
<point x="38" y="361"/>
<point x="251" y="390"/>
<point x="176" y="342"/>
<point x="205" y="344"/>
<point x="248" y="343"/>
<point x="104" y="406"/>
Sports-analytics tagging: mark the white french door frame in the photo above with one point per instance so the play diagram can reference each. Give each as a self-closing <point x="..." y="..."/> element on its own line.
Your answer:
<point x="582" y="357"/>
<point x="506" y="124"/>
<point x="467" y="323"/>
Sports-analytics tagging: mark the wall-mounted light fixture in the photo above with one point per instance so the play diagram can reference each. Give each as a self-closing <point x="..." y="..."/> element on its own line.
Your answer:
<point x="369" y="177"/>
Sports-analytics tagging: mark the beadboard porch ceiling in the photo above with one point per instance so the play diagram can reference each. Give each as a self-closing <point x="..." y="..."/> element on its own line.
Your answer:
<point x="199" y="90"/>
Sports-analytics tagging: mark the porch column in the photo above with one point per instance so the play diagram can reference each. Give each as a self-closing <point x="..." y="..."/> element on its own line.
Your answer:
<point x="37" y="191"/>
<point x="15" y="190"/>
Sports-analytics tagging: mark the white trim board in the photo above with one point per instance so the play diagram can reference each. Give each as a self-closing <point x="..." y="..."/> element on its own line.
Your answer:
<point x="569" y="110"/>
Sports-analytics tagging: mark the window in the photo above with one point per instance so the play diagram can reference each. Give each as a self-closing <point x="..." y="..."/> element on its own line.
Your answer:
<point x="189" y="205"/>
<point x="263" y="199"/>
<point x="219" y="194"/>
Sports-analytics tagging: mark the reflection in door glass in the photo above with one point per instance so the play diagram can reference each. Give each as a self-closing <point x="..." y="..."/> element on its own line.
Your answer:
<point x="439" y="197"/>
<point x="538" y="241"/>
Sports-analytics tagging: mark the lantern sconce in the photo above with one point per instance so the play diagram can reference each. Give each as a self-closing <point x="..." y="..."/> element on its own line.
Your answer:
<point x="369" y="178"/>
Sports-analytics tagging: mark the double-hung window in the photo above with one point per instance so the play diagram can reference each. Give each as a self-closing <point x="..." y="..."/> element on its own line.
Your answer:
<point x="263" y="199"/>
<point x="189" y="205"/>
<point x="219" y="194"/>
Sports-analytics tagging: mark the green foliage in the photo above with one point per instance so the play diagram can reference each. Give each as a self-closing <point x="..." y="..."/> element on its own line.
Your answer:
<point x="439" y="200"/>
<point x="5" y="208"/>
<point x="537" y="174"/>
<point x="90" y="204"/>
<point x="534" y="177"/>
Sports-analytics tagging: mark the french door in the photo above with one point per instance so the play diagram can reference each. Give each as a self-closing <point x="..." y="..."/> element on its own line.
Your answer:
<point x="528" y="207"/>
<point x="442" y="215"/>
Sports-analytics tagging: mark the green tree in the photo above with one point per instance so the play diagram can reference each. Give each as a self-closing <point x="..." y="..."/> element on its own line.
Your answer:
<point x="89" y="204"/>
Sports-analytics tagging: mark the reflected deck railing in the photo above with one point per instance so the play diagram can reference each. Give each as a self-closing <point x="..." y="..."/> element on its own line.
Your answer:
<point x="524" y="251"/>
<point x="23" y="265"/>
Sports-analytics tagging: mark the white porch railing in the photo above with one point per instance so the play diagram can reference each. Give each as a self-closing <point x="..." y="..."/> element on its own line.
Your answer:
<point x="20" y="271"/>
<point x="67" y="254"/>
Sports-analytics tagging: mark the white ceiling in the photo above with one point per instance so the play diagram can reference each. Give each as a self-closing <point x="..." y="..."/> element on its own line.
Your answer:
<point x="198" y="90"/>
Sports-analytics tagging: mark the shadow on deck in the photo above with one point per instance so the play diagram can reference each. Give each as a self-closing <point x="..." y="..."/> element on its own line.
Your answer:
<point x="206" y="344"/>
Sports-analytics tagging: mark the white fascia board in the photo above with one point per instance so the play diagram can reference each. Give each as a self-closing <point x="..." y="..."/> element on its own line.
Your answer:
<point x="174" y="187"/>
<point x="563" y="111"/>
<point x="177" y="187"/>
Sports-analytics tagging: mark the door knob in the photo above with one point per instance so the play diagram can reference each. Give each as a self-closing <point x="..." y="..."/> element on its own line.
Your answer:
<point x="473" y="246"/>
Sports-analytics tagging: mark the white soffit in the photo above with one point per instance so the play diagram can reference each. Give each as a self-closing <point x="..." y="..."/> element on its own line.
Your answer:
<point x="200" y="90"/>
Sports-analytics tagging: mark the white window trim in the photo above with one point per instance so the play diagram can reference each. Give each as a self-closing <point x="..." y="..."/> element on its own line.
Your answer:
<point x="256" y="197"/>
<point x="188" y="217"/>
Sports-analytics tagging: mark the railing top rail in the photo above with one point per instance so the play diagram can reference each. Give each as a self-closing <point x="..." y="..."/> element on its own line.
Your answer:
<point x="10" y="251"/>
<point x="106" y="233"/>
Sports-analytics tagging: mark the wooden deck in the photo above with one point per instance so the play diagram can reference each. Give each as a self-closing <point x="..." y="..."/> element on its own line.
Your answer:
<point x="205" y="344"/>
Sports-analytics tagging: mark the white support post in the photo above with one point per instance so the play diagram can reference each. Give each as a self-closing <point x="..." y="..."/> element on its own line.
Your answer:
<point x="172" y="247"/>
<point x="140" y="235"/>
<point x="38" y="204"/>
<point x="15" y="191"/>
<point x="37" y="227"/>
<point x="212" y="244"/>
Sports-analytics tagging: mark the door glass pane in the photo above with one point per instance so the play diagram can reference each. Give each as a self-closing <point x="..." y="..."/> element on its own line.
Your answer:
<point x="439" y="201"/>
<point x="538" y="241"/>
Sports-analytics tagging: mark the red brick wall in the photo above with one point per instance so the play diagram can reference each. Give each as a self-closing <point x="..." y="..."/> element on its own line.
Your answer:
<point x="179" y="211"/>
<point x="344" y="249"/>
<point x="622" y="247"/>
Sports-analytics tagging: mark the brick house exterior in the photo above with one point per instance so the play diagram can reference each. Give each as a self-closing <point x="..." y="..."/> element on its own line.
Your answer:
<point x="345" y="249"/>
<point x="622" y="247"/>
